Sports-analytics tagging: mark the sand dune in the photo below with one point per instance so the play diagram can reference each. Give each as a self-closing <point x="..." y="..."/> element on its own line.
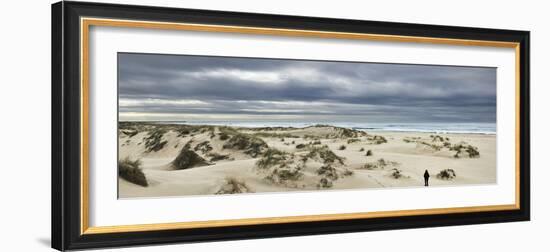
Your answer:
<point x="278" y="159"/>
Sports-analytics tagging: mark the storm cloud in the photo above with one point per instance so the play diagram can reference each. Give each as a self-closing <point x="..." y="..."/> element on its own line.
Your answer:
<point x="182" y="87"/>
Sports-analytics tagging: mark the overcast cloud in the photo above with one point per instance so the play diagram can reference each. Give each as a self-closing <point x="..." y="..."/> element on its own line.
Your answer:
<point x="174" y="87"/>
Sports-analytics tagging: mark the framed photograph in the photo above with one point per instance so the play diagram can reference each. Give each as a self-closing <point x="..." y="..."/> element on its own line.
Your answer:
<point x="181" y="125"/>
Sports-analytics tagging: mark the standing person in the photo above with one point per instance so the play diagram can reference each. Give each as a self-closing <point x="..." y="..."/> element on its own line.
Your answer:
<point x="426" y="177"/>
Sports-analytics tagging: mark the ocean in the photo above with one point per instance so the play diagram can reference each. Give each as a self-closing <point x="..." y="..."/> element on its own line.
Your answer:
<point x="460" y="128"/>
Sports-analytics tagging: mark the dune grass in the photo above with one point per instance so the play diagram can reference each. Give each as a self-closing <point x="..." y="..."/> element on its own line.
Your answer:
<point x="397" y="174"/>
<point x="251" y="145"/>
<point x="325" y="154"/>
<point x="129" y="132"/>
<point x="353" y="140"/>
<point x="376" y="139"/>
<point x="130" y="170"/>
<point x="233" y="186"/>
<point x="274" y="135"/>
<point x="203" y="147"/>
<point x="217" y="157"/>
<point x="439" y="143"/>
<point x="324" y="183"/>
<point x="300" y="146"/>
<point x="328" y="171"/>
<point x="285" y="176"/>
<point x="274" y="157"/>
<point x="380" y="164"/>
<point x="153" y="141"/>
<point x="471" y="150"/>
<point x="188" y="159"/>
<point x="446" y="174"/>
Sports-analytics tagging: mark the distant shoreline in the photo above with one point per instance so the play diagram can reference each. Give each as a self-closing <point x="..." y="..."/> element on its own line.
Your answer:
<point x="429" y="132"/>
<point x="299" y="125"/>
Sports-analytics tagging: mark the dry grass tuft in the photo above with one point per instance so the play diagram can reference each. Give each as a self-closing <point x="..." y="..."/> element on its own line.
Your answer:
<point x="131" y="171"/>
<point x="251" y="145"/>
<point x="447" y="174"/>
<point x="234" y="186"/>
<point x="188" y="159"/>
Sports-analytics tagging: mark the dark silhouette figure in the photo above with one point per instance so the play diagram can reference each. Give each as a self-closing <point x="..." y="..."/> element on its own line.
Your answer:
<point x="426" y="177"/>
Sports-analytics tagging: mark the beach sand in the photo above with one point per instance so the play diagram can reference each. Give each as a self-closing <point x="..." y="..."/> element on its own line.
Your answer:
<point x="245" y="160"/>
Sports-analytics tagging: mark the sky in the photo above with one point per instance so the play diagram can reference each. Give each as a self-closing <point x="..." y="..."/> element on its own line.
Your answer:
<point x="155" y="87"/>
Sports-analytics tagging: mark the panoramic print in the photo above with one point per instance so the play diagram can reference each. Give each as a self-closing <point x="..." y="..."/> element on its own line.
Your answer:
<point x="210" y="125"/>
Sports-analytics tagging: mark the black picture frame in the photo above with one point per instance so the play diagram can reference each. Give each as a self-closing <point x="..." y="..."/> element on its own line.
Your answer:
<point x="66" y="125"/>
